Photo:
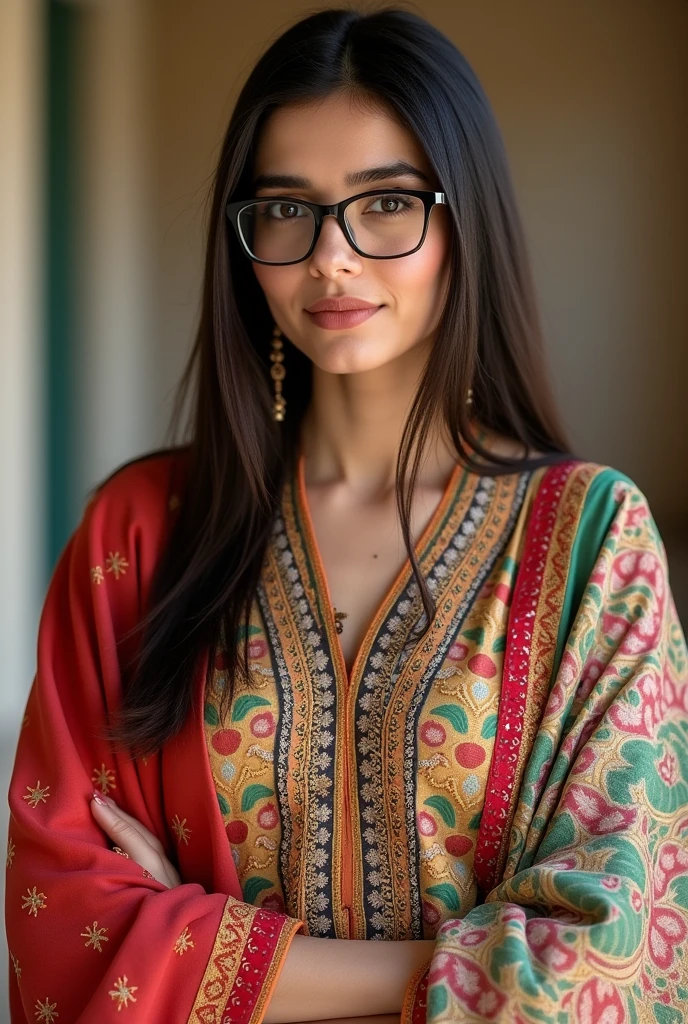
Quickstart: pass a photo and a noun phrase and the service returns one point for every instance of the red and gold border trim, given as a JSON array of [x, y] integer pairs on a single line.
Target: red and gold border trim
[[516, 693], [244, 965], [414, 1010]]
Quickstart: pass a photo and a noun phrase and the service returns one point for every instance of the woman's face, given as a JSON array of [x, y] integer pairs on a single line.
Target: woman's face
[[325, 142]]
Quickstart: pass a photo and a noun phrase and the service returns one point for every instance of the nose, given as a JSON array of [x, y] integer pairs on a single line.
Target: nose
[[332, 250]]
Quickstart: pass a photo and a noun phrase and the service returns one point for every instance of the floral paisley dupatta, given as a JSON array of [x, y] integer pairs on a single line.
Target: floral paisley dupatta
[[585, 870]]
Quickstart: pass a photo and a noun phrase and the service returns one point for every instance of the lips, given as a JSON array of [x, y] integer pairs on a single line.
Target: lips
[[342, 319], [340, 304]]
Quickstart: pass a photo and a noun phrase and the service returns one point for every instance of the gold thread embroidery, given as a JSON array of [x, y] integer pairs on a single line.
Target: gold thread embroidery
[[223, 970], [120, 851], [104, 778], [97, 575], [116, 564], [39, 794], [249, 773], [34, 901], [95, 936], [46, 1011], [11, 849], [265, 755], [184, 942], [122, 992], [255, 862], [15, 964], [180, 831]]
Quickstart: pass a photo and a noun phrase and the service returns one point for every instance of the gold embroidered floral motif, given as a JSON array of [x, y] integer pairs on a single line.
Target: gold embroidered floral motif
[[181, 832], [95, 936], [122, 992], [15, 964], [46, 1011], [97, 575], [184, 942], [11, 848], [34, 901], [116, 564], [104, 778], [120, 851], [37, 795]]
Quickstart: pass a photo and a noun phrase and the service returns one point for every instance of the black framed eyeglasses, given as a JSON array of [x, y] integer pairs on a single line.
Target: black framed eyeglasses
[[382, 224]]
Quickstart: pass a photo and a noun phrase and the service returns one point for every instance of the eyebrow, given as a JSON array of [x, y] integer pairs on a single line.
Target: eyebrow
[[398, 169]]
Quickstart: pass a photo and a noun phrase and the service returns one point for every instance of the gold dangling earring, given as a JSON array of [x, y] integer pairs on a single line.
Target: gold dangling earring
[[278, 373], [469, 400]]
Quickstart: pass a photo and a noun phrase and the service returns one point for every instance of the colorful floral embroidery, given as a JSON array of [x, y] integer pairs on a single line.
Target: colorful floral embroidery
[[279, 797], [590, 919]]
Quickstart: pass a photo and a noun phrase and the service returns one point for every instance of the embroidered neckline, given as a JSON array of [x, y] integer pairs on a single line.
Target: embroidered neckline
[[453, 487]]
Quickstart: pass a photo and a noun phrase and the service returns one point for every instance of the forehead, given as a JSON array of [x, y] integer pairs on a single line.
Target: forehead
[[322, 140]]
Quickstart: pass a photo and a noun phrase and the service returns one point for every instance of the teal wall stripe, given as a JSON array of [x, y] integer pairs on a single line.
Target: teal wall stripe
[[61, 24]]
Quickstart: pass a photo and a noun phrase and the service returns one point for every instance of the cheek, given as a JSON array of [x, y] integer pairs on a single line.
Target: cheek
[[279, 284], [420, 280]]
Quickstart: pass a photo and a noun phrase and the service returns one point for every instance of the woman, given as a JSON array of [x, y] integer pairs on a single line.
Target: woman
[[325, 696]]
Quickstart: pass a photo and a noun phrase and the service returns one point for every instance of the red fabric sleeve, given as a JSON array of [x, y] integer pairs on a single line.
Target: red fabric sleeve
[[90, 936]]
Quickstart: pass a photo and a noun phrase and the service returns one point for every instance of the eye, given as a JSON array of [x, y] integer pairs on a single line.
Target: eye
[[394, 204], [283, 211]]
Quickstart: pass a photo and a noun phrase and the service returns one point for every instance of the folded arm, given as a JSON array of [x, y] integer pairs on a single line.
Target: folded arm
[[91, 931]]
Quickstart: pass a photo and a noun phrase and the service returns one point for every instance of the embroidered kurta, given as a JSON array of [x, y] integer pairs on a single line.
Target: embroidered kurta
[[512, 783]]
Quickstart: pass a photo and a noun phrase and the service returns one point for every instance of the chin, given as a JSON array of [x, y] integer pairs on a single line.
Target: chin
[[348, 355]]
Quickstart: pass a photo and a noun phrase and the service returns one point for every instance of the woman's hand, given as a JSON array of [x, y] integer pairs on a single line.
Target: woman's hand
[[134, 839]]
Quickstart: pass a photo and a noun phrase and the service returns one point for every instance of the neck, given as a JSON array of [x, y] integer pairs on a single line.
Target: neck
[[352, 429]]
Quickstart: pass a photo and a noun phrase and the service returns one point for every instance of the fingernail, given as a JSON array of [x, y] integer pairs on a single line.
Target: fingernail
[[110, 802], [98, 799]]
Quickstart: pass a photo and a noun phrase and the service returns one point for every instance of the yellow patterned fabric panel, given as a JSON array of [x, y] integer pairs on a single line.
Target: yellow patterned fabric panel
[[241, 751], [354, 805], [455, 743]]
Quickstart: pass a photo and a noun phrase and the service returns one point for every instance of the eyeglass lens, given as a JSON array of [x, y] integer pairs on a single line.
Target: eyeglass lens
[[382, 225]]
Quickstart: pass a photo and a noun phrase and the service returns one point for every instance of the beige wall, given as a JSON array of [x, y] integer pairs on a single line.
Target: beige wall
[[591, 98], [21, 382]]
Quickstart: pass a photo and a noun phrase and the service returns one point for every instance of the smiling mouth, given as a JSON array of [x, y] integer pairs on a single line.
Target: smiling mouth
[[340, 319]]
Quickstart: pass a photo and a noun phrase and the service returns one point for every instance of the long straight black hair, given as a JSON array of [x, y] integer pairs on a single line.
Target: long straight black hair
[[489, 338]]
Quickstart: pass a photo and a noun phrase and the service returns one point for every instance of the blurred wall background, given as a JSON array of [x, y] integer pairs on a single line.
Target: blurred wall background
[[111, 115]]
